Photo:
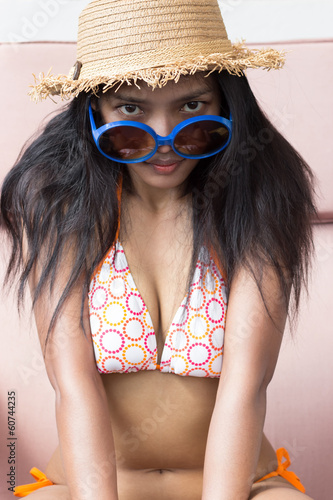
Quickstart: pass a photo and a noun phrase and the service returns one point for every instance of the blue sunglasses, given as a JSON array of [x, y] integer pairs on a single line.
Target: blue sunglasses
[[133, 142]]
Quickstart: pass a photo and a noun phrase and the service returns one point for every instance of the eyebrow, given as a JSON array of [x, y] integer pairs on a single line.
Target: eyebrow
[[195, 94], [127, 97], [123, 96]]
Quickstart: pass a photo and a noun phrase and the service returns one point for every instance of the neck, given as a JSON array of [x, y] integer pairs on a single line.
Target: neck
[[156, 200]]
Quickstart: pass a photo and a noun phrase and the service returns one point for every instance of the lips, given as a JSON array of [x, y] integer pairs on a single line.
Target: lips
[[164, 163], [164, 166]]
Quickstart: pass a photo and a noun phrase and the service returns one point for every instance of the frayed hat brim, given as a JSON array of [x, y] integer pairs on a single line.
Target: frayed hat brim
[[235, 61]]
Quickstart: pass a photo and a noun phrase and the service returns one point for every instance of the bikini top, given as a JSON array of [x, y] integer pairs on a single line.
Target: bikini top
[[122, 330]]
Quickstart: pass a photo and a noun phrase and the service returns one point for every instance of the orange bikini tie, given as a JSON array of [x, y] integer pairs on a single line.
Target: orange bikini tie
[[281, 470], [26, 489]]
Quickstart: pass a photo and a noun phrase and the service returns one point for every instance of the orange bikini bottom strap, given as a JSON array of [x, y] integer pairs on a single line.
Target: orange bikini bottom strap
[[26, 489], [283, 472]]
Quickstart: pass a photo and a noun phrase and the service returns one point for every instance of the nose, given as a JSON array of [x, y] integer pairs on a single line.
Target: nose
[[164, 149], [163, 127]]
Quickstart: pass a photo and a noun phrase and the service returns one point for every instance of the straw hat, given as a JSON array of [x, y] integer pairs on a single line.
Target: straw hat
[[151, 40]]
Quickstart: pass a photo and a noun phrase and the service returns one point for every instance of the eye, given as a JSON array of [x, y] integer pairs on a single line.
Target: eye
[[193, 106], [130, 109]]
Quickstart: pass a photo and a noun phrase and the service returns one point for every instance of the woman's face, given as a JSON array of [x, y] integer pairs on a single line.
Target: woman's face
[[162, 109]]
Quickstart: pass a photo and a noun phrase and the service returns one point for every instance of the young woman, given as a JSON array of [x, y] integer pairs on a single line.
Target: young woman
[[161, 248]]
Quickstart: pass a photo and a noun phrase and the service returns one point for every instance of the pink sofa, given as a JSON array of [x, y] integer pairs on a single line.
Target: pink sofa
[[299, 100]]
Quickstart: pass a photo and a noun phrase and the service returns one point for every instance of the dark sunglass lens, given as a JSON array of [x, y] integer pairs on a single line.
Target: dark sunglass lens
[[201, 138], [126, 143]]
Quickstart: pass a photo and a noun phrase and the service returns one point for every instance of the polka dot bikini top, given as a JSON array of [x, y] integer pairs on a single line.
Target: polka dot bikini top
[[122, 330]]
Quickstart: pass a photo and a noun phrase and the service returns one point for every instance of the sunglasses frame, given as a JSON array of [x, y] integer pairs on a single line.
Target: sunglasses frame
[[159, 140]]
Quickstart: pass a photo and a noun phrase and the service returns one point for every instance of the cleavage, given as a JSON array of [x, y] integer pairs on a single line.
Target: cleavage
[[161, 282]]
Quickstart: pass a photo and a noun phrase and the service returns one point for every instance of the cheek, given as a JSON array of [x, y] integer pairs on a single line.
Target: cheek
[[191, 165], [108, 116]]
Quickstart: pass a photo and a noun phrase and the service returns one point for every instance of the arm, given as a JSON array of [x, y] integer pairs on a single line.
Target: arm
[[252, 344], [82, 414]]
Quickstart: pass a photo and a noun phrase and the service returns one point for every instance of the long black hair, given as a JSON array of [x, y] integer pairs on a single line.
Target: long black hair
[[252, 203]]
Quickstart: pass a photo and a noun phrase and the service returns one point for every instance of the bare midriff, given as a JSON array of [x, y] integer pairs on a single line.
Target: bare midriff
[[160, 425]]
